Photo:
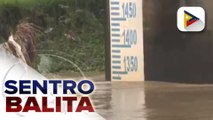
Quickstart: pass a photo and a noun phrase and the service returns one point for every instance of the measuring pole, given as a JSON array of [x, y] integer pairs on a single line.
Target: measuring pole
[[126, 40]]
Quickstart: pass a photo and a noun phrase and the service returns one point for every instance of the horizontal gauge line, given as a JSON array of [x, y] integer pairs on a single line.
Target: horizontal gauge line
[[115, 8], [115, 13], [116, 67], [115, 40], [116, 51], [115, 35], [116, 56], [115, 24], [120, 72], [114, 3], [116, 62], [121, 46], [116, 29], [118, 19], [116, 77]]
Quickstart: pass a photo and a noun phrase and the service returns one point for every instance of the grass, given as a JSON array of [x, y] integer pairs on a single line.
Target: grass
[[75, 18], [24, 3]]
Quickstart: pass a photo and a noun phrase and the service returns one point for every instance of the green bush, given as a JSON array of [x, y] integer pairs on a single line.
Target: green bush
[[73, 30]]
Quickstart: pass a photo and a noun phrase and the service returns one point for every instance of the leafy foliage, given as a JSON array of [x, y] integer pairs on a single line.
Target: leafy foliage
[[74, 31]]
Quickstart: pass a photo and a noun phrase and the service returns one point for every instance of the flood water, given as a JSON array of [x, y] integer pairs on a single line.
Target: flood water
[[153, 101]]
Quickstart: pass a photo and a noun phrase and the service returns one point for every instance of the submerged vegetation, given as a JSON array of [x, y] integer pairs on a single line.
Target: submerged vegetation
[[73, 31]]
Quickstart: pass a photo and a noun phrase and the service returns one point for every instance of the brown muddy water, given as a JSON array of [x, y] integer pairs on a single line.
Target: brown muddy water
[[153, 101]]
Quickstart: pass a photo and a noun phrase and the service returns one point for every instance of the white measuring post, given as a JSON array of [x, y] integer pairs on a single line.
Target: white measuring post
[[126, 35]]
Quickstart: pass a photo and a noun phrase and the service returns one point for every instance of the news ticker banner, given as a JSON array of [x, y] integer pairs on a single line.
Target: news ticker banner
[[126, 35], [26, 94]]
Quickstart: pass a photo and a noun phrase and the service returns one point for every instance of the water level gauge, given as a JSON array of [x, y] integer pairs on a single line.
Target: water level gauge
[[126, 35]]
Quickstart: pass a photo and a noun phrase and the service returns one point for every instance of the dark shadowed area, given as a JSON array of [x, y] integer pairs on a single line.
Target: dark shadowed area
[[171, 55]]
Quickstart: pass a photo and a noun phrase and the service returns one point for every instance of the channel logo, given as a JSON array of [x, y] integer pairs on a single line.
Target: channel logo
[[191, 19]]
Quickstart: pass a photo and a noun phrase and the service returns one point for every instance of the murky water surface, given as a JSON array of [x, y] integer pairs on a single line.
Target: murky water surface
[[153, 101]]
